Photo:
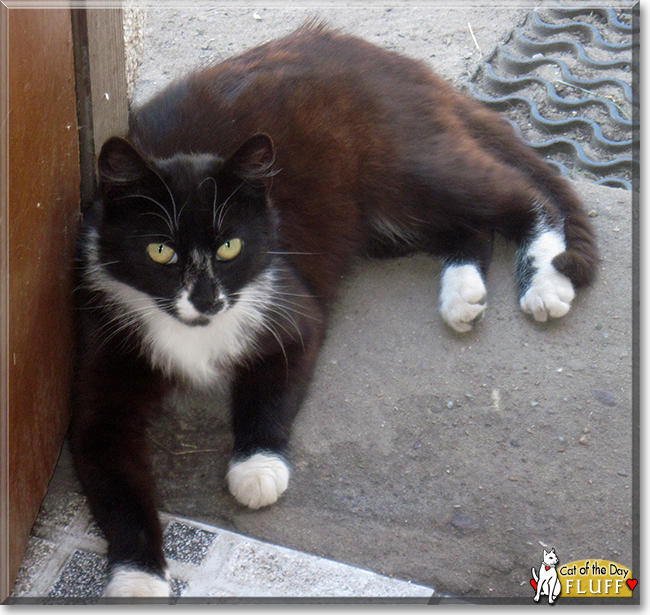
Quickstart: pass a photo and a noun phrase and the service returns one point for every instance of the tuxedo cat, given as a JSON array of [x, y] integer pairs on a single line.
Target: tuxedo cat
[[225, 221]]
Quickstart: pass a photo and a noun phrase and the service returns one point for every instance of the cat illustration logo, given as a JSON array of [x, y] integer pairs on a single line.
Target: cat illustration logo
[[547, 583]]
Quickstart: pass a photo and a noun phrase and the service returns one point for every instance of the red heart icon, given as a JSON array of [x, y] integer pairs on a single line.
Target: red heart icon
[[631, 583], [534, 584]]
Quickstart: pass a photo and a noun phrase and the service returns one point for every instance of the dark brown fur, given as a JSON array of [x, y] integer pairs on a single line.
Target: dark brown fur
[[366, 130]]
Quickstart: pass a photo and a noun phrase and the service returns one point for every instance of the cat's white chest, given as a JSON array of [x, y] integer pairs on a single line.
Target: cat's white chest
[[197, 354], [204, 354], [201, 355]]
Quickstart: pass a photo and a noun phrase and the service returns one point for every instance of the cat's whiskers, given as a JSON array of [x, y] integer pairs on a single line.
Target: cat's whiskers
[[178, 217], [96, 267], [267, 326], [122, 322], [168, 219], [284, 293], [416, 219], [90, 271], [281, 310], [284, 313], [214, 201], [222, 208], [286, 303], [132, 316], [164, 219], [156, 235], [171, 196], [287, 306]]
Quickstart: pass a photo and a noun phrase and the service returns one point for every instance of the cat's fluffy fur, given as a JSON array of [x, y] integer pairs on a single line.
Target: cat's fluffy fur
[[309, 152]]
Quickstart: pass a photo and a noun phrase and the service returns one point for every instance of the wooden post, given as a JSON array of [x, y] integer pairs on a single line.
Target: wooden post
[[100, 68], [107, 74], [39, 209], [51, 92]]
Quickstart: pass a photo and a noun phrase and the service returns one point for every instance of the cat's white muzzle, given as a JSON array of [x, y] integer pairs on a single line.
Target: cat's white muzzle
[[187, 312]]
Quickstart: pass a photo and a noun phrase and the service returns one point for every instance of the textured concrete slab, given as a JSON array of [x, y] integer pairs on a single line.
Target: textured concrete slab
[[66, 562]]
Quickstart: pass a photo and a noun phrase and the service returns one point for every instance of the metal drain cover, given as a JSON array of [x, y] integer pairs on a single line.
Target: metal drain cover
[[565, 81]]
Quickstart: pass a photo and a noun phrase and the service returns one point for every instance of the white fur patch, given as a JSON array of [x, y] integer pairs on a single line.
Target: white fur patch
[[462, 296], [185, 307], [258, 480], [133, 583], [550, 293]]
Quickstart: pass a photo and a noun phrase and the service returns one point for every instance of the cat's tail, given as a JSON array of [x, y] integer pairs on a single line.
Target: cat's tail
[[534, 574], [579, 262]]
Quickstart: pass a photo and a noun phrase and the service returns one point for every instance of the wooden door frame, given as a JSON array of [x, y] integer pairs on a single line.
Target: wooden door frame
[[6, 581], [102, 110]]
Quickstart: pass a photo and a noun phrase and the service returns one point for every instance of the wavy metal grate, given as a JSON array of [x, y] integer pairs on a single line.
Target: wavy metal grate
[[564, 80]]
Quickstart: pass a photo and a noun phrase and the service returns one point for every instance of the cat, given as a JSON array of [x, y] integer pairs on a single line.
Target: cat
[[225, 221], [548, 583]]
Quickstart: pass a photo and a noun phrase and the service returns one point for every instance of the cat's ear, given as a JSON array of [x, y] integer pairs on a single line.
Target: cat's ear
[[253, 161], [120, 165]]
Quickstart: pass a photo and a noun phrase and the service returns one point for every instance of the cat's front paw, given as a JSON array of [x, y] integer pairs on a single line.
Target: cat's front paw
[[258, 480], [462, 297], [133, 583], [549, 295]]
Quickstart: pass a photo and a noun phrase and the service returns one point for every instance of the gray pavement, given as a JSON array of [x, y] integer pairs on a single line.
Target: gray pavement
[[446, 460]]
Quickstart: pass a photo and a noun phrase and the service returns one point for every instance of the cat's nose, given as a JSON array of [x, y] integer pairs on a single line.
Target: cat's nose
[[205, 296]]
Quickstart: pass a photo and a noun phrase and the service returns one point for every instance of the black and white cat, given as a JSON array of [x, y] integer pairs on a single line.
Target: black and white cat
[[225, 221]]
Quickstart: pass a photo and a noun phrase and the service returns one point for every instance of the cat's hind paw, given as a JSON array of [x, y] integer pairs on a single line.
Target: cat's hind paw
[[462, 297], [126, 582], [258, 480], [546, 292], [549, 295]]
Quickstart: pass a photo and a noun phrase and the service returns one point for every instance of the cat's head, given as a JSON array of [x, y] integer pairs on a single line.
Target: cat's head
[[550, 558], [188, 231]]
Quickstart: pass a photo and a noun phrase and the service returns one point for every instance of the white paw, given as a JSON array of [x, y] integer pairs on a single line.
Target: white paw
[[550, 294], [132, 583], [258, 480], [462, 296]]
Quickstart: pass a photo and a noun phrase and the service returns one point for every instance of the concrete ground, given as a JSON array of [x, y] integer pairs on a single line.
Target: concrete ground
[[447, 460], [442, 459]]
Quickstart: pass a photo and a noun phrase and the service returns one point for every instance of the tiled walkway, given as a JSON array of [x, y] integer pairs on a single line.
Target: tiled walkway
[[65, 561]]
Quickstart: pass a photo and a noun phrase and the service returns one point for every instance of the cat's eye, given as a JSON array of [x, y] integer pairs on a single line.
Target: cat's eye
[[230, 249], [162, 254]]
